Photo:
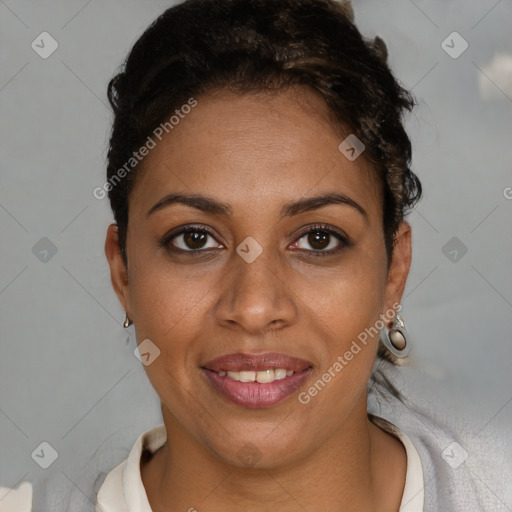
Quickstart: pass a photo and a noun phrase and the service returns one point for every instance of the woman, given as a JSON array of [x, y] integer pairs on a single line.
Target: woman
[[259, 176], [259, 236]]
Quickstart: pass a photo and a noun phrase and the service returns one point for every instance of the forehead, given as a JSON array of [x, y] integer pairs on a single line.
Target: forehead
[[256, 149]]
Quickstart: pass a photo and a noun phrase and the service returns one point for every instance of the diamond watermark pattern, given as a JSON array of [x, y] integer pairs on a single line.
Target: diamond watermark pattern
[[44, 45], [249, 249], [351, 147], [454, 249], [249, 455], [454, 45], [146, 352], [45, 455], [454, 455], [44, 250]]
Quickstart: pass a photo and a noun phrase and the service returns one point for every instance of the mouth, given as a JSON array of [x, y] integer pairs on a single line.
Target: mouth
[[256, 380]]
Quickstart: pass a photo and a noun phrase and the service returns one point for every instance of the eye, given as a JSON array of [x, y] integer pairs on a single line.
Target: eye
[[191, 239], [321, 240]]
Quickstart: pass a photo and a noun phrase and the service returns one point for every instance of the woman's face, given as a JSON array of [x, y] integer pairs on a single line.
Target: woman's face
[[248, 281]]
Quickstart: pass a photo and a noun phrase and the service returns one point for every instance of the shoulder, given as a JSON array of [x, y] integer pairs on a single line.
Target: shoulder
[[52, 492], [74, 489], [464, 467], [49, 493], [123, 485]]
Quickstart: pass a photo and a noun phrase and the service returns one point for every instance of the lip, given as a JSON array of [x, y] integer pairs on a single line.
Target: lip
[[254, 395], [253, 362]]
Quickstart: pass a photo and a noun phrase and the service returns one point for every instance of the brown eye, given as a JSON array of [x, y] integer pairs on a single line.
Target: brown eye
[[318, 239], [191, 239], [321, 241], [195, 239]]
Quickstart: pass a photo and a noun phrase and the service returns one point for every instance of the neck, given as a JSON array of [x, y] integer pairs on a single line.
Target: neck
[[360, 467]]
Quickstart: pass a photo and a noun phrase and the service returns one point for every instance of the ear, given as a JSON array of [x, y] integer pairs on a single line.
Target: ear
[[118, 271], [399, 267]]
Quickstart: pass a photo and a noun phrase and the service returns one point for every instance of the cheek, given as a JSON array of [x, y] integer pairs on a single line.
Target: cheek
[[347, 299], [169, 310], [346, 307], [164, 296]]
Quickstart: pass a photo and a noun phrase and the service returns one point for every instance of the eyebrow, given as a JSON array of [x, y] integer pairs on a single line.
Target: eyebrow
[[209, 205]]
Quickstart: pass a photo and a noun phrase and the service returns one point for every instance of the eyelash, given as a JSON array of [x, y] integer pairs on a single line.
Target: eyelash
[[200, 228]]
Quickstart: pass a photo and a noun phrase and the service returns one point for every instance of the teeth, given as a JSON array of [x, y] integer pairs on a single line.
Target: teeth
[[262, 376], [247, 376], [265, 376], [279, 374]]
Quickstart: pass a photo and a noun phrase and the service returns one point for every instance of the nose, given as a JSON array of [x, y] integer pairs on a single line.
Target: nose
[[255, 297]]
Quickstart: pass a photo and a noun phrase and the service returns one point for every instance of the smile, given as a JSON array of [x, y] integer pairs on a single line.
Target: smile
[[256, 380], [261, 376]]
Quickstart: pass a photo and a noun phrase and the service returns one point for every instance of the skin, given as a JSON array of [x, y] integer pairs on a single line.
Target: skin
[[256, 153]]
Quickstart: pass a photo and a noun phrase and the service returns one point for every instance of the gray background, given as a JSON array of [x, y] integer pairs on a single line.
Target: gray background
[[67, 369]]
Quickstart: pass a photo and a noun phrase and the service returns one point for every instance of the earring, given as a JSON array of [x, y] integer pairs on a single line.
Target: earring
[[127, 322], [395, 339]]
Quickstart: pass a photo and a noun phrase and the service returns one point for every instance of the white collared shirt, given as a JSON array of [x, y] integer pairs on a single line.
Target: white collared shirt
[[123, 490]]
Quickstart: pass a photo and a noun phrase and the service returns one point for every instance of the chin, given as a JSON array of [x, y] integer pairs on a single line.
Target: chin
[[259, 447]]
